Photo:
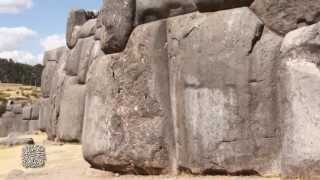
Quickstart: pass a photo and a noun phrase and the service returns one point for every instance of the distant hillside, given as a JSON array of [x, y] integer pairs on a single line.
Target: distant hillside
[[11, 72]]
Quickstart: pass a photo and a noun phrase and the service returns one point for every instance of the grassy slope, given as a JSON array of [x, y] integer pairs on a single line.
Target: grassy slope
[[19, 92]]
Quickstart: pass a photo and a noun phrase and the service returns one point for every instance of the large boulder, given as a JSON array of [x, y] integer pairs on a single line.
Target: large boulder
[[76, 19], [283, 16], [117, 23], [72, 63], [81, 57], [300, 78], [44, 114], [88, 29], [69, 128], [150, 10], [17, 108], [301, 36], [51, 59], [35, 111], [299, 93], [12, 123], [223, 94], [27, 112], [34, 125], [127, 124], [84, 58], [55, 97]]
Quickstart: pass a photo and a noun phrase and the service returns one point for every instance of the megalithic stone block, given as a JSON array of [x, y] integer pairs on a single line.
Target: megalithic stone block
[[70, 121], [149, 10], [127, 124], [300, 78], [294, 13], [219, 65], [44, 114], [117, 24], [76, 19], [27, 111]]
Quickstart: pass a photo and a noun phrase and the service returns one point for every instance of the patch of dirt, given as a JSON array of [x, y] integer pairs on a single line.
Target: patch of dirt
[[66, 162]]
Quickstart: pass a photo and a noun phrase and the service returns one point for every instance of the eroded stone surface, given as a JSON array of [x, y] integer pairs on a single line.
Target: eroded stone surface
[[69, 127], [201, 93], [117, 24], [76, 19], [286, 15], [149, 10], [54, 100], [219, 64], [127, 126], [12, 123], [300, 103], [44, 113]]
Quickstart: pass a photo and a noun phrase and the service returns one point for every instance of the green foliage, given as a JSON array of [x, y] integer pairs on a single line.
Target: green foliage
[[11, 72]]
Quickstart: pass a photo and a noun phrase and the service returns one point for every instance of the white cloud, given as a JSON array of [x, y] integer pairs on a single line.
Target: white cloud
[[22, 57], [53, 41], [14, 6], [11, 38], [10, 41]]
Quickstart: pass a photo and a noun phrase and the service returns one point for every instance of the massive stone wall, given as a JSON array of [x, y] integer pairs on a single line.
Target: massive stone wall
[[20, 118], [205, 92]]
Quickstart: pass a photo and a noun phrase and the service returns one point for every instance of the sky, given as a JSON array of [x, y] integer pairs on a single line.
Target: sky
[[28, 28]]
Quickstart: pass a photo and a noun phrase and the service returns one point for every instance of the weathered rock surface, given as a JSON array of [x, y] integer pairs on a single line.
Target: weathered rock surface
[[17, 109], [117, 19], [216, 82], [34, 125], [149, 10], [205, 93], [69, 127], [35, 111], [127, 126], [27, 112], [300, 110], [301, 36], [51, 59], [54, 101], [85, 58], [286, 15], [44, 113], [300, 78], [76, 19], [13, 107], [12, 123], [88, 29], [81, 57], [72, 62]]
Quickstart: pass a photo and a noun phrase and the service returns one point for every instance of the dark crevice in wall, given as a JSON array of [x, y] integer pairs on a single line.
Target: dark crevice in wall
[[256, 38]]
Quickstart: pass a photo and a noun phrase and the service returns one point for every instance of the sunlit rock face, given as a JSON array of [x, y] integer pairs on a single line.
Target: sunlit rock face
[[128, 107], [219, 65], [300, 76], [286, 15], [214, 93]]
